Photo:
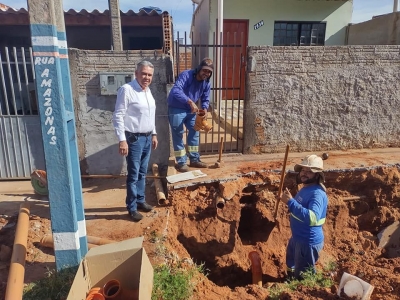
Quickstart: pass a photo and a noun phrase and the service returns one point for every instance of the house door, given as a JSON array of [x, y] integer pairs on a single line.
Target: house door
[[235, 40]]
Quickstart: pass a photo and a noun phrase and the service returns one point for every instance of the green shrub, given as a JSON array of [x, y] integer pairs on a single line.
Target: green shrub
[[175, 282]]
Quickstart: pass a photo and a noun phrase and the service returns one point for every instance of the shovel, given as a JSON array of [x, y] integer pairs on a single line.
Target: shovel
[[281, 182]]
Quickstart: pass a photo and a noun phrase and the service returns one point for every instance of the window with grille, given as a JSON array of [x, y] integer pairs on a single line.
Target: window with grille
[[299, 33]]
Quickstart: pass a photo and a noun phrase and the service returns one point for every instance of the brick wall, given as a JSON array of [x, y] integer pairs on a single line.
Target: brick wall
[[98, 145], [185, 61], [322, 98]]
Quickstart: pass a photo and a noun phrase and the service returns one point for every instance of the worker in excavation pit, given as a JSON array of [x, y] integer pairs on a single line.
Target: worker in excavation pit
[[307, 216]]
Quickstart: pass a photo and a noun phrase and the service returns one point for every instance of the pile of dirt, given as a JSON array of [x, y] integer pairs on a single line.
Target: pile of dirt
[[362, 203]]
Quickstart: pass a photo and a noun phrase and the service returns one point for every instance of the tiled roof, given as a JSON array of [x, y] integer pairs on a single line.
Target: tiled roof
[[4, 9], [3, 6]]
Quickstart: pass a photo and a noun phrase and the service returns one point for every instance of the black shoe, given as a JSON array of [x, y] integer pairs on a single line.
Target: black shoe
[[135, 216], [198, 164], [144, 207], [182, 168]]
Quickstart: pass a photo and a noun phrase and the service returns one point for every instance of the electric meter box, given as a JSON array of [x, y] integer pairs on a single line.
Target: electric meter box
[[110, 82]]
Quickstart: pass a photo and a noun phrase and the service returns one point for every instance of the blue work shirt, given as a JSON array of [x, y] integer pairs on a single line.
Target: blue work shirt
[[188, 87], [307, 214]]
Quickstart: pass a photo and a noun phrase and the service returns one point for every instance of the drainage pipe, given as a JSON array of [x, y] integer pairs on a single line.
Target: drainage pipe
[[158, 185], [112, 290], [47, 241], [353, 198], [220, 202], [15, 282], [256, 267], [99, 241], [105, 176]]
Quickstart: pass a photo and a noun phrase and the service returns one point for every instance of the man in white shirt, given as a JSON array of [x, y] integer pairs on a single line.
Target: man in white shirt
[[134, 124]]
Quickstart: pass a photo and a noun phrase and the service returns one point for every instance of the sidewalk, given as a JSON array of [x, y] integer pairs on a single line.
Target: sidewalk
[[236, 165]]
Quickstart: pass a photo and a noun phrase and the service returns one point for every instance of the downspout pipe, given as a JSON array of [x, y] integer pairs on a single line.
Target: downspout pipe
[[395, 5], [220, 18], [218, 61], [15, 282]]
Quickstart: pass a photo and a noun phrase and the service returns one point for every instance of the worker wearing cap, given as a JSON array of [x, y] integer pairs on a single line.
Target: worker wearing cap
[[190, 91], [307, 216]]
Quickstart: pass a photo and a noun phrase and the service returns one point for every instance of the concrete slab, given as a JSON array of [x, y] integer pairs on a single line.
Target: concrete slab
[[389, 238]]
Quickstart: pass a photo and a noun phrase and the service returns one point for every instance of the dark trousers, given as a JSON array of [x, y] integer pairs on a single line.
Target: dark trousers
[[302, 256]]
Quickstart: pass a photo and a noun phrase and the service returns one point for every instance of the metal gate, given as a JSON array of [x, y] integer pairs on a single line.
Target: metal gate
[[21, 148], [227, 99]]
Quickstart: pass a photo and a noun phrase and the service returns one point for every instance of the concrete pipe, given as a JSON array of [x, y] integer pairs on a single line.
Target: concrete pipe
[[158, 185], [220, 202], [15, 283], [256, 267]]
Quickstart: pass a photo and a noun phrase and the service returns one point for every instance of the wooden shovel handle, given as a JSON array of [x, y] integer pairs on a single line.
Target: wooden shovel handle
[[281, 182], [221, 147]]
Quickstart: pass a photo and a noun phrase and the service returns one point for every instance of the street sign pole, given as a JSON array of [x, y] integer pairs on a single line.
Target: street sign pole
[[54, 118], [69, 107]]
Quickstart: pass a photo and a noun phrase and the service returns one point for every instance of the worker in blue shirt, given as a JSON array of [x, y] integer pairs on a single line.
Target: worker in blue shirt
[[190, 91], [307, 215]]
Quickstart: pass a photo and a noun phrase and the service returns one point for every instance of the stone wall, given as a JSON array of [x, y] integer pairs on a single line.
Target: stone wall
[[98, 144], [322, 98]]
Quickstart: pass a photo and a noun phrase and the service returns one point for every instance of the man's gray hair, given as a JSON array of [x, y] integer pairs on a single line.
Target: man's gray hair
[[144, 63]]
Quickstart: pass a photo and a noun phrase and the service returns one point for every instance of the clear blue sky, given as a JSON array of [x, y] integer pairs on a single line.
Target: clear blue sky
[[181, 10]]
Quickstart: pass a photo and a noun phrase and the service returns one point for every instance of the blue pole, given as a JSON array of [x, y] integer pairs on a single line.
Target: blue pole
[[69, 106], [54, 120]]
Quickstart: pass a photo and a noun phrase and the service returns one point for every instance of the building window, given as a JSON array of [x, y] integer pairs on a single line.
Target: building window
[[299, 34]]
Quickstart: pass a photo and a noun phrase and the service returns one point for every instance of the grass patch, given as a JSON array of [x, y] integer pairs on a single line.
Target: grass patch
[[177, 281], [55, 286], [175, 278], [321, 279]]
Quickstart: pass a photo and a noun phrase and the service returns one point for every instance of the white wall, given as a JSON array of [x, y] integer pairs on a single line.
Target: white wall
[[337, 14], [201, 30]]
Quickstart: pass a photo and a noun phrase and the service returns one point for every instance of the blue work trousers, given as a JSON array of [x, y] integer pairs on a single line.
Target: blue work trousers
[[137, 160], [177, 118], [300, 257]]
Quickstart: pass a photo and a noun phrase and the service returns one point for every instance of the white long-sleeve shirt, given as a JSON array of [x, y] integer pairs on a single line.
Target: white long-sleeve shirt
[[135, 110]]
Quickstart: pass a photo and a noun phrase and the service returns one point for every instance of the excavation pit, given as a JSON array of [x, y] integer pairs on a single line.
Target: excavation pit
[[362, 202], [361, 231], [253, 225]]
